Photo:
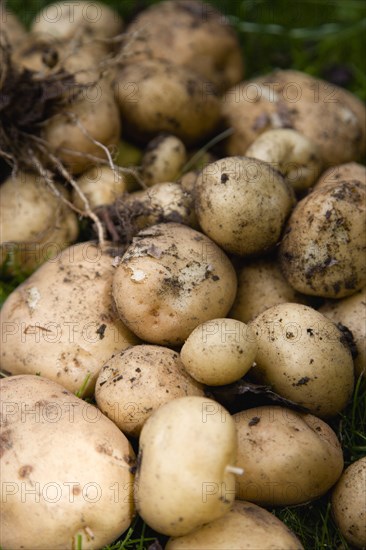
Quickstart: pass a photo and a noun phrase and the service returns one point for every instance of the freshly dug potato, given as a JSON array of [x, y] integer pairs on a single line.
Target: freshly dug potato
[[191, 34], [61, 323], [157, 96], [93, 20], [219, 351], [65, 470], [261, 285], [101, 185], [288, 457], [34, 223], [245, 527], [163, 159], [11, 27], [242, 204], [135, 383], [304, 357], [349, 503], [171, 279], [290, 152], [351, 171], [351, 312], [331, 117], [186, 457], [323, 250]]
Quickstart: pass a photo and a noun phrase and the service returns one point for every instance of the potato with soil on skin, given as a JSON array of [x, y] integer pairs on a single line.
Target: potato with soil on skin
[[349, 503], [245, 527], [351, 312], [351, 171], [163, 159], [333, 118], [63, 463], [288, 457], [242, 204], [135, 383], [219, 351], [304, 357], [101, 185], [157, 96], [171, 279], [61, 321], [34, 223], [323, 249], [190, 34], [186, 460]]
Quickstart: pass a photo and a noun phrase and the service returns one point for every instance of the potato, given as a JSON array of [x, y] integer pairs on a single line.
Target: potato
[[135, 383], [304, 357], [351, 171], [163, 159], [35, 224], [331, 117], [288, 457], [351, 312], [219, 351], [349, 503], [65, 469], [157, 96], [171, 279], [322, 252], [101, 185], [245, 527], [242, 204], [60, 322], [190, 34], [261, 285], [12, 28], [186, 457]]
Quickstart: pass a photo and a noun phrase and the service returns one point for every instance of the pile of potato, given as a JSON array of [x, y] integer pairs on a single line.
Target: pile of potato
[[250, 264]]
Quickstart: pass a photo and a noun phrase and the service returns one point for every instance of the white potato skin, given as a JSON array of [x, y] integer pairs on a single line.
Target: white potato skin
[[101, 185], [163, 160], [351, 171], [245, 527], [182, 481], [288, 457], [349, 503], [50, 322], [65, 470], [304, 357]]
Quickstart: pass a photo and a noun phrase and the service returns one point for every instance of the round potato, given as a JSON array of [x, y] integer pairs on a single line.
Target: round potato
[[61, 323], [219, 351], [323, 249], [304, 357], [65, 469], [288, 457], [101, 185], [171, 279], [349, 503], [135, 383], [351, 171], [163, 159], [246, 527], [242, 204]]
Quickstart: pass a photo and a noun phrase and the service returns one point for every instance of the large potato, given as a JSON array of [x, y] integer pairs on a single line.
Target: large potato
[[288, 457], [186, 456], [245, 527], [60, 322], [331, 117], [65, 470], [242, 204], [171, 279], [323, 250], [304, 357]]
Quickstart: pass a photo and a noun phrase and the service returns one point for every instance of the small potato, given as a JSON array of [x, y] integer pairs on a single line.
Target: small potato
[[135, 383], [245, 527], [261, 285], [242, 204], [65, 470], [163, 159], [304, 357], [323, 250], [351, 171], [219, 351], [171, 279], [288, 457], [349, 503], [101, 185], [186, 460]]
